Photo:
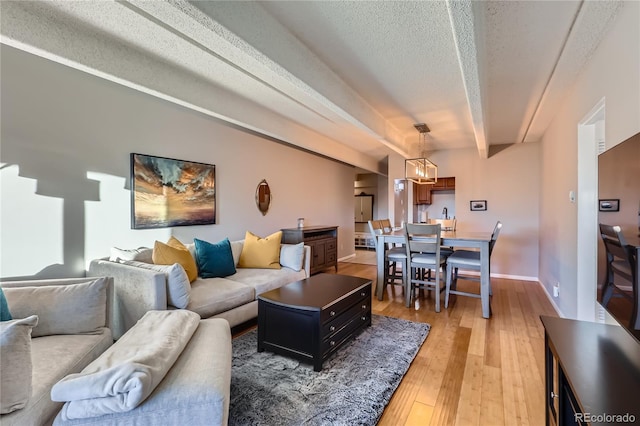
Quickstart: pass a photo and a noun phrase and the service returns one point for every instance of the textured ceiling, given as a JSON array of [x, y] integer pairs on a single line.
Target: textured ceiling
[[345, 79]]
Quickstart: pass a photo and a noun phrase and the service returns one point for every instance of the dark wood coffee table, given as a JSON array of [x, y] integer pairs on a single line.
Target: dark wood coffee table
[[310, 319]]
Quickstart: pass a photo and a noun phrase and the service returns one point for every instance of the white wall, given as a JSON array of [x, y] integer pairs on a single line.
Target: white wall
[[508, 180], [613, 74], [66, 140]]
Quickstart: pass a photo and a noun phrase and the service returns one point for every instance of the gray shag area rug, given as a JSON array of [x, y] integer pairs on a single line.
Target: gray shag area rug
[[354, 386]]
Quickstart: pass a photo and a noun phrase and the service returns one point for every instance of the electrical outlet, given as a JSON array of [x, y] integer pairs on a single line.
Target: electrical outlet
[[556, 290]]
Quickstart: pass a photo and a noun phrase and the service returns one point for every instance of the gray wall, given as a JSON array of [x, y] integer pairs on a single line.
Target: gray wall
[[509, 181], [66, 140], [610, 76]]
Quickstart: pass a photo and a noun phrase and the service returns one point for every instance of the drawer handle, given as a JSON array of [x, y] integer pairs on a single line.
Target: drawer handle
[[332, 343], [363, 318], [332, 313], [332, 328], [363, 294], [364, 306]]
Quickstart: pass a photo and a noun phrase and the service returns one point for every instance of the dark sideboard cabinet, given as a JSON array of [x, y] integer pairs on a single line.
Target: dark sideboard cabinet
[[323, 241], [592, 373]]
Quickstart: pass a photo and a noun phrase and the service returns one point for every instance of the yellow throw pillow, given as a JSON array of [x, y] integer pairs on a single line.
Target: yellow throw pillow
[[175, 252], [261, 252]]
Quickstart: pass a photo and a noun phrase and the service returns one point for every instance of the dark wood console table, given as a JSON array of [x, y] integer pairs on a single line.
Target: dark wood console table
[[323, 241], [592, 373]]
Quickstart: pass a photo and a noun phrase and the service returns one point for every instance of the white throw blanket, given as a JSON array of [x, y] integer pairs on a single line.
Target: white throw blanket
[[128, 372]]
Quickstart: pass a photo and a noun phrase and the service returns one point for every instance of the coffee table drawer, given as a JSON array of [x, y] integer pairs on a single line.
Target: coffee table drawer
[[362, 306], [342, 305], [360, 320]]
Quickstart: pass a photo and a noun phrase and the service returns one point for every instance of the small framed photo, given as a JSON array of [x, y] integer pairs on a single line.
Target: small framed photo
[[478, 205], [609, 205]]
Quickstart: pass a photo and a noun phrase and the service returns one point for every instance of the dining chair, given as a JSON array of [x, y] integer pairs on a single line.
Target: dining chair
[[621, 262], [392, 256], [422, 242], [386, 225], [467, 260], [447, 225]]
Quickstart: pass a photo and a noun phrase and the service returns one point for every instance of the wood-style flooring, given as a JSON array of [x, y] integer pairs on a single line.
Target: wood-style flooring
[[470, 370]]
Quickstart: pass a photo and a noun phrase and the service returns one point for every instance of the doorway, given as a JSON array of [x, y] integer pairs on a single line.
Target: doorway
[[591, 141]]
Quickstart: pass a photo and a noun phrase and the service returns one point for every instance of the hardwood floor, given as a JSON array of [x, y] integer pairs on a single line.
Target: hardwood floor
[[470, 371]]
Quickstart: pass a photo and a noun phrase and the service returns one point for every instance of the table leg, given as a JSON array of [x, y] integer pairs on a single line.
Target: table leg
[[380, 264], [485, 282]]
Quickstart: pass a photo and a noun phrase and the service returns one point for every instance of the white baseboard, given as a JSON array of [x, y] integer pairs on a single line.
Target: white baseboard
[[505, 276], [342, 259], [553, 303]]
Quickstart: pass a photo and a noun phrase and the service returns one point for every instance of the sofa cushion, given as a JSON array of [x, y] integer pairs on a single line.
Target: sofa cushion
[[267, 279], [292, 256], [175, 252], [178, 286], [236, 250], [214, 260], [5, 314], [15, 363], [210, 296], [53, 358], [259, 252], [62, 309], [141, 254], [194, 392]]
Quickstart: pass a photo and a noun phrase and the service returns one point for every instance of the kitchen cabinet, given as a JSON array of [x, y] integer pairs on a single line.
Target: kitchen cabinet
[[444, 184], [363, 208], [423, 194]]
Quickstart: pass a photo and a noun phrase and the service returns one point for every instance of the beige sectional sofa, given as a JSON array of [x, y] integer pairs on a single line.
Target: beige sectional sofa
[[65, 340], [72, 334], [234, 298]]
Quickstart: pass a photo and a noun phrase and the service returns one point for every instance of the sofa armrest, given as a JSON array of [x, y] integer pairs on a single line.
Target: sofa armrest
[[135, 291], [307, 260]]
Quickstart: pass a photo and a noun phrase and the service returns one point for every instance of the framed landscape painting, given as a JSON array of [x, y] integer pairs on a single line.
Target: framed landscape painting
[[167, 192]]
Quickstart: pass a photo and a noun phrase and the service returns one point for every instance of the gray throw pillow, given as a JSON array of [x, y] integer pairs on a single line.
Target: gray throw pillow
[[141, 254], [292, 256], [15, 363], [62, 309], [178, 285]]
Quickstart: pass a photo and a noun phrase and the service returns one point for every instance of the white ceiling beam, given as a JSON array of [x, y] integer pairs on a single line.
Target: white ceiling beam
[[464, 29], [592, 21], [113, 41]]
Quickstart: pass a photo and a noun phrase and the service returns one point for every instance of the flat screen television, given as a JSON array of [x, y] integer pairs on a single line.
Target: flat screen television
[[619, 204]]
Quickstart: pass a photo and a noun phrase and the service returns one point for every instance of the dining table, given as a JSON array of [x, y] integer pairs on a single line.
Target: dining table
[[466, 239]]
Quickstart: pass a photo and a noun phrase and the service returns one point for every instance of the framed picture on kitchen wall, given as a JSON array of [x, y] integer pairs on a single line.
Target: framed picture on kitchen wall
[[478, 205], [609, 205], [166, 192]]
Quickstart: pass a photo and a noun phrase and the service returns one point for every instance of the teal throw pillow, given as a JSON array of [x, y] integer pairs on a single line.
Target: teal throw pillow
[[5, 315], [214, 260]]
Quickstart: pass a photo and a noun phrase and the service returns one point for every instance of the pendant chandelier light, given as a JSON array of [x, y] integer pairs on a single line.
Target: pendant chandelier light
[[421, 170]]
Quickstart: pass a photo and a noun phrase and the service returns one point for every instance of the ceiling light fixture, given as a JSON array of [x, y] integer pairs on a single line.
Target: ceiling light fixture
[[421, 170]]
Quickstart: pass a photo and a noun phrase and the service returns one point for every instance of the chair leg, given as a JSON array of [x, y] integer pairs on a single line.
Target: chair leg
[[607, 290], [447, 287], [437, 287], [409, 293], [406, 284]]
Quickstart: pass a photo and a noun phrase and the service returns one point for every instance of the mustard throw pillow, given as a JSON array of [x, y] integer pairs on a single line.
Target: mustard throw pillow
[[175, 252], [261, 252]]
